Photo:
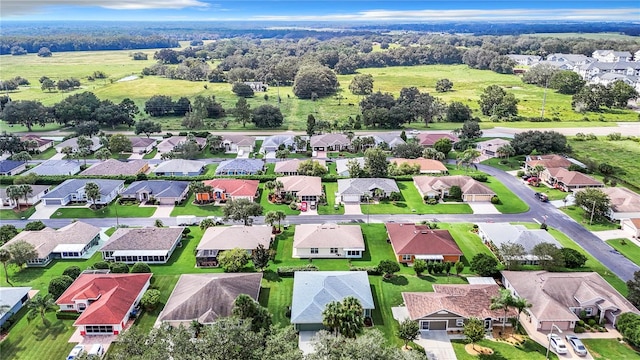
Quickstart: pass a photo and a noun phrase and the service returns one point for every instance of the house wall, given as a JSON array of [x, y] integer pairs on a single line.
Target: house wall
[[447, 258], [322, 253], [14, 309], [624, 215], [628, 226]]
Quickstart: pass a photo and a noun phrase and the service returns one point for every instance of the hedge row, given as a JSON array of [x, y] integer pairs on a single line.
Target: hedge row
[[371, 270], [67, 315], [288, 271]]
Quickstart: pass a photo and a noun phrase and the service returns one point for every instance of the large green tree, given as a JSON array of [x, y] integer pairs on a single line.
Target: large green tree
[[315, 80], [503, 301], [59, 284], [21, 252], [119, 143], [26, 112], [39, 305], [595, 203], [242, 210], [147, 127], [495, 101], [5, 257], [362, 84], [566, 82], [242, 111], [267, 116], [375, 163], [345, 318], [484, 264], [233, 260], [634, 289], [92, 190], [244, 307]]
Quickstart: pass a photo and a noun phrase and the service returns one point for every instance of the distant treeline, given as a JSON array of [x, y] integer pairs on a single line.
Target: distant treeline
[[78, 42]]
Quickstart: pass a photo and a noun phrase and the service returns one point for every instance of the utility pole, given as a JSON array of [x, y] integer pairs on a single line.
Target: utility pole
[[593, 210]]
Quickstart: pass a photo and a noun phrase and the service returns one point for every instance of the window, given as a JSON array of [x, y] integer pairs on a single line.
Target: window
[[588, 311], [333, 250], [406, 257], [99, 329], [314, 250], [459, 322], [353, 253]]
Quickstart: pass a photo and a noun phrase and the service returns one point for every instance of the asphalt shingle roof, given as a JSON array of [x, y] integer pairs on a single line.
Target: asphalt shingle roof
[[56, 167], [179, 166], [72, 185], [8, 165], [157, 188], [240, 165], [116, 167], [150, 238]]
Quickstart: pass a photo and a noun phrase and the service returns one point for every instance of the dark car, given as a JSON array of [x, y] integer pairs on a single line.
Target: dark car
[[542, 197]]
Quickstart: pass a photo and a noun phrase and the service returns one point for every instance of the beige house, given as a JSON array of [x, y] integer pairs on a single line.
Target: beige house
[[632, 226], [304, 188], [558, 298], [170, 143], [565, 180], [624, 203], [546, 161], [117, 167], [221, 238], [290, 167], [438, 187], [490, 147], [328, 241]]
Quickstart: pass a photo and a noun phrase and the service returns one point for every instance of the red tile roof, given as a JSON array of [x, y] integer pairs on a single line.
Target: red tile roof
[[115, 294], [235, 187], [427, 139], [412, 239]]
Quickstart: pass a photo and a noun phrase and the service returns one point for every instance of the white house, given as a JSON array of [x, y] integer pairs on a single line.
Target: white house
[[328, 241], [150, 245]]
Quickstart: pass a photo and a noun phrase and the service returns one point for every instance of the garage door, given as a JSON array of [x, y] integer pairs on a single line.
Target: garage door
[[351, 198], [433, 325], [53, 202], [628, 227]]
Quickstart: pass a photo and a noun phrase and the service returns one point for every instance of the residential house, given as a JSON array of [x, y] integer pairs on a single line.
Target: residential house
[[240, 167], [37, 191], [274, 142], [526, 60], [448, 307], [565, 180], [12, 299], [56, 167], [313, 290], [489, 148], [73, 144], [437, 187], [357, 190], [636, 56], [36, 144], [624, 203], [589, 71], [290, 167], [607, 79], [330, 142], [410, 242], [428, 139], [117, 167], [11, 167], [573, 59], [72, 190], [341, 165], [206, 297], [180, 167], [105, 301], [560, 65], [495, 235], [632, 226], [165, 192], [558, 298], [427, 166], [392, 140], [328, 241], [168, 144], [142, 145], [257, 86], [304, 188], [229, 189], [546, 161], [70, 242], [240, 144], [611, 56], [150, 245], [220, 238]]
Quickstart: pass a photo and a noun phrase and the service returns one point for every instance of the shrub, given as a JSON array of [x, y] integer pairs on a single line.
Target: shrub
[[543, 226], [480, 177], [119, 268], [592, 322], [58, 285], [150, 299], [432, 201], [287, 271], [72, 271], [371, 270], [140, 267], [100, 265], [520, 173], [495, 200], [67, 315], [34, 226], [578, 329]]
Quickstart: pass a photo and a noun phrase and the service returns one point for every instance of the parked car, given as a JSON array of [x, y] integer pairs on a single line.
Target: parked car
[[96, 350], [557, 344], [414, 132], [542, 197], [577, 345], [75, 352], [216, 220]]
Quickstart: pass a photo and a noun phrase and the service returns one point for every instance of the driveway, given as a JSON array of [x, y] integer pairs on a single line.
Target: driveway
[[162, 211], [304, 341], [611, 234], [483, 208], [437, 345], [57, 156], [136, 156], [43, 212], [352, 209]]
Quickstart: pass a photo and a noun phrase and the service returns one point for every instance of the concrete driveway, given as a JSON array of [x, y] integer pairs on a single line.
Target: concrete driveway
[[43, 212], [483, 208], [305, 342], [352, 209], [611, 234], [437, 345]]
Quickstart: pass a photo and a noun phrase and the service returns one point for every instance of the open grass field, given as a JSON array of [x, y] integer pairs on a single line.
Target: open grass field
[[468, 84], [622, 155], [630, 250], [124, 211], [501, 350], [610, 349], [592, 263]]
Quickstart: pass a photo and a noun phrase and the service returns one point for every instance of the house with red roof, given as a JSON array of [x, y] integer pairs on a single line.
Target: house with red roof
[[428, 139], [105, 301], [229, 189], [411, 242]]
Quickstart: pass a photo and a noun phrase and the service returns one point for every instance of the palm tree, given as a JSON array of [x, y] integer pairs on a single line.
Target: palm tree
[[431, 153], [331, 316], [278, 185], [103, 154], [506, 150], [270, 185], [207, 223], [92, 190], [378, 193], [503, 301], [270, 218], [26, 190], [520, 304], [67, 150], [14, 193], [5, 257], [158, 223], [280, 216], [40, 305], [353, 317]]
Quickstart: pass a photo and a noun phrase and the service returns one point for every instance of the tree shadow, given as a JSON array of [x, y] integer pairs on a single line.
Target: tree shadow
[[271, 276], [376, 314], [427, 277], [49, 329], [9, 347], [398, 280]]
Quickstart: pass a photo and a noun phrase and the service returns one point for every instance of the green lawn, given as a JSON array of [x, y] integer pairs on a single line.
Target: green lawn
[[45, 155], [344, 154], [151, 155], [330, 189], [509, 202], [578, 214], [412, 203], [629, 249], [622, 155], [592, 263], [610, 349], [552, 194], [124, 211], [268, 206], [469, 242], [189, 208], [11, 214], [530, 350], [512, 163], [332, 168]]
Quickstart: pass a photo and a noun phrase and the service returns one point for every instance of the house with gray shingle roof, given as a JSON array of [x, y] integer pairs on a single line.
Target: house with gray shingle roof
[[37, 191], [330, 142], [180, 167], [272, 143], [497, 234], [12, 167], [240, 167], [170, 143], [221, 238], [166, 192], [437, 187], [341, 165], [611, 55], [72, 190], [353, 190], [117, 167], [56, 167], [240, 144], [73, 144], [142, 145], [11, 301], [391, 139], [313, 290], [207, 297], [150, 245]]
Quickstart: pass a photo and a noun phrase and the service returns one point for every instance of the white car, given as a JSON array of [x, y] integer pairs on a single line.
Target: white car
[[75, 352], [414, 132], [557, 344], [577, 345]]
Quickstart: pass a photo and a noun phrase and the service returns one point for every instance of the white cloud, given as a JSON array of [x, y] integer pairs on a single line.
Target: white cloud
[[467, 14], [26, 7]]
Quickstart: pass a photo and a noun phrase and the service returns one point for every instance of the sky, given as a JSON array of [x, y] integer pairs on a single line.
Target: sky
[[330, 10]]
